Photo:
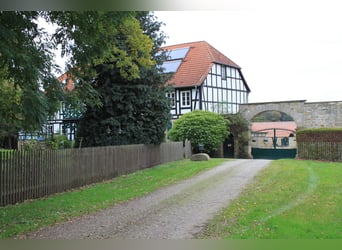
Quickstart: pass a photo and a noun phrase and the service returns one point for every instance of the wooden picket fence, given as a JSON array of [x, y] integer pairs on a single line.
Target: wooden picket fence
[[34, 174], [327, 151]]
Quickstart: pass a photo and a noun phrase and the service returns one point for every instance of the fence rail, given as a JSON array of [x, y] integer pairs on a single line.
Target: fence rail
[[329, 151], [33, 174]]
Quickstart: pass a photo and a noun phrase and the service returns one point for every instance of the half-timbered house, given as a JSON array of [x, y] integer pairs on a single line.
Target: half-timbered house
[[64, 121], [203, 78]]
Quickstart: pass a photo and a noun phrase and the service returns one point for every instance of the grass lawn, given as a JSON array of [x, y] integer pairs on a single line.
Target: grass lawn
[[291, 199], [31, 215]]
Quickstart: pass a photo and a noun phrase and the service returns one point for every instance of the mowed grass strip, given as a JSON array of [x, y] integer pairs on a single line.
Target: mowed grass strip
[[291, 199], [31, 215]]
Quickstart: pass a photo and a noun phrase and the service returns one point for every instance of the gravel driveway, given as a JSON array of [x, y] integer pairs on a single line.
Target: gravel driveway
[[176, 212]]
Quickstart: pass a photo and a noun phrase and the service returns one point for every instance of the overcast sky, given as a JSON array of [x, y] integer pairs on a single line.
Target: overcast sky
[[288, 51]]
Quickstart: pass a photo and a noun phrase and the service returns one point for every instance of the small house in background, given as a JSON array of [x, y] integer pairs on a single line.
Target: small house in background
[[63, 122], [203, 79], [273, 134], [66, 79]]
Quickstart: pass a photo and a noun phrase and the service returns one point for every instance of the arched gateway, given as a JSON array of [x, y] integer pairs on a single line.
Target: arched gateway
[[295, 109], [305, 115]]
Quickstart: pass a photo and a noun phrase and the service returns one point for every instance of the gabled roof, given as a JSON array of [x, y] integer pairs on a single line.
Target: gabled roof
[[197, 63]]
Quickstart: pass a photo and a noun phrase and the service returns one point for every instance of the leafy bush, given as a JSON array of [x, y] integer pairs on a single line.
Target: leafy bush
[[30, 145], [200, 127], [59, 142]]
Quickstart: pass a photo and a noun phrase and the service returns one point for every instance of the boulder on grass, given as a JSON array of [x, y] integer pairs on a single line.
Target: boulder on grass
[[200, 157]]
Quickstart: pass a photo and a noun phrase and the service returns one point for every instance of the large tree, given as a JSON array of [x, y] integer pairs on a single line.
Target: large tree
[[11, 114], [92, 38], [26, 61], [133, 109], [87, 39]]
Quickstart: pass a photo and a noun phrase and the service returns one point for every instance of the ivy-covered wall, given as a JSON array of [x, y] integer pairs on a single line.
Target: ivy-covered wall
[[320, 144]]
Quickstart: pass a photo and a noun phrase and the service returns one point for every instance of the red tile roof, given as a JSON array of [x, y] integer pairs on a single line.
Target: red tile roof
[[193, 70], [257, 126], [69, 84], [197, 63]]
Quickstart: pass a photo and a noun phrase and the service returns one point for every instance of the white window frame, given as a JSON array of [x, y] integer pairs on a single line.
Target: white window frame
[[186, 98], [172, 98]]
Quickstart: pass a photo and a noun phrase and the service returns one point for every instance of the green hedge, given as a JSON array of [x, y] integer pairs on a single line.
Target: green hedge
[[320, 144], [320, 135]]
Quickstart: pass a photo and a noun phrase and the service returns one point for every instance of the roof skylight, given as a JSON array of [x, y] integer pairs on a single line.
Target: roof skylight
[[171, 66], [174, 59], [177, 53]]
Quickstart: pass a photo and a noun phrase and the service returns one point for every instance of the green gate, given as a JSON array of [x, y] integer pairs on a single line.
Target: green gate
[[275, 151], [273, 154]]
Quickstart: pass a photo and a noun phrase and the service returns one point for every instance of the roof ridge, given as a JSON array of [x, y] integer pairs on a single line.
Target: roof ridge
[[209, 51], [181, 44]]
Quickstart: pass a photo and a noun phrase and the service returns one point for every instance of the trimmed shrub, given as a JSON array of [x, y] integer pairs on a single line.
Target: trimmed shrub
[[320, 135], [200, 127], [320, 144]]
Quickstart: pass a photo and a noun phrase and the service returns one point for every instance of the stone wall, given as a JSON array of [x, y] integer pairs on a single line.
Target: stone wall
[[305, 114], [323, 115], [293, 108]]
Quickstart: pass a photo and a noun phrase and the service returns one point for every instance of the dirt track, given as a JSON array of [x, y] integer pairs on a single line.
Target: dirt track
[[175, 212]]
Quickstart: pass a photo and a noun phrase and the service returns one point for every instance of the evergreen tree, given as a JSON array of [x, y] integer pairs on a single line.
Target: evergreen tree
[[133, 110]]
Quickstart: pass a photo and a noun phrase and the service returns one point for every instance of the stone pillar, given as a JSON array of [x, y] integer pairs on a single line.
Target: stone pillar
[[249, 147]]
